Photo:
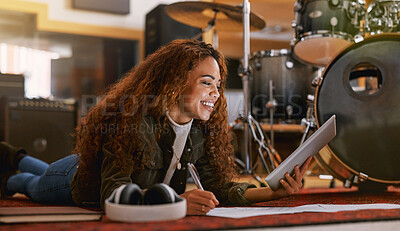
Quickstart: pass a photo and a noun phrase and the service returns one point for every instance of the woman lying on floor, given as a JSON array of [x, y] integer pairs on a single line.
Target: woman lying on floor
[[168, 111]]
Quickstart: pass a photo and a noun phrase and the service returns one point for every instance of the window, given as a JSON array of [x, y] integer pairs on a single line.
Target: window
[[34, 64]]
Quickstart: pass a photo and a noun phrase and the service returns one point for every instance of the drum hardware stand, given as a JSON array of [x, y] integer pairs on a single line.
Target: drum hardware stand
[[257, 134], [261, 145], [257, 178], [248, 120], [355, 179], [289, 112], [271, 105], [297, 8], [309, 121], [210, 25]]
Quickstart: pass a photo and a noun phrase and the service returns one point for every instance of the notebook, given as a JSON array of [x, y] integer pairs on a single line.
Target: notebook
[[47, 214]]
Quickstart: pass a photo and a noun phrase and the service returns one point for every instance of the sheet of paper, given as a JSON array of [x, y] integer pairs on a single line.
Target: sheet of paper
[[241, 212]]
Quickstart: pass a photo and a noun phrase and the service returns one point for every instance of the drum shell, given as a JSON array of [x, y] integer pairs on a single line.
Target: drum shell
[[323, 28], [316, 15], [291, 81], [368, 126], [385, 12]]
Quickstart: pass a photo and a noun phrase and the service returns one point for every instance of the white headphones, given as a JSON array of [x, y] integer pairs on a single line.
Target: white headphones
[[160, 202]]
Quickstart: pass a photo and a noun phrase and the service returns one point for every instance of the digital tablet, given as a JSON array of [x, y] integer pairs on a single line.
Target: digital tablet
[[310, 147]]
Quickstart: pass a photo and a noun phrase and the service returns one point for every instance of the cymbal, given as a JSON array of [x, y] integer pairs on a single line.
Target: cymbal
[[199, 14]]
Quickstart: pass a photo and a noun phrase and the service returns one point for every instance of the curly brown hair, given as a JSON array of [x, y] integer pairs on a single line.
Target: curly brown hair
[[163, 76]]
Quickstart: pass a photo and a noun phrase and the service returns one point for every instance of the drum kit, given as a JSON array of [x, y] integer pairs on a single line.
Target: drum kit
[[344, 60]]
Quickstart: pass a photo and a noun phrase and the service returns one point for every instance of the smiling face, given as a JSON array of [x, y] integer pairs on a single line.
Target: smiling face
[[201, 93]]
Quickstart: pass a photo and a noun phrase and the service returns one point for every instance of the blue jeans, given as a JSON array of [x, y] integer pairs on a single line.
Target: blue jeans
[[45, 183]]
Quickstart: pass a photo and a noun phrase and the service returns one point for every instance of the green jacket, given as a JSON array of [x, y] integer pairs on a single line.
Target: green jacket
[[156, 158]]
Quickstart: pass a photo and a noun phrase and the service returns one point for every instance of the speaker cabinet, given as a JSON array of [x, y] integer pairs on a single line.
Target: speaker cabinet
[[119, 57], [162, 29], [42, 127], [12, 85]]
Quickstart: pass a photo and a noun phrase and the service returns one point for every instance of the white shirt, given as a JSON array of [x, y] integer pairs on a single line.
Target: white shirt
[[182, 132]]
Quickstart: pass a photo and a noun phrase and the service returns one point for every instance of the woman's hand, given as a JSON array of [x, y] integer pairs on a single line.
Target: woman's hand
[[292, 184], [199, 202]]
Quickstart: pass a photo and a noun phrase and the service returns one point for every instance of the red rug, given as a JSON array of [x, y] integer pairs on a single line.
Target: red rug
[[306, 196]]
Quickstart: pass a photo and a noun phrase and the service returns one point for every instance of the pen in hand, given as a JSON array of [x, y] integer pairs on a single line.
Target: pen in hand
[[193, 172], [204, 196]]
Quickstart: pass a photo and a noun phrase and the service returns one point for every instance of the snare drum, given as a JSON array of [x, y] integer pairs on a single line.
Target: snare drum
[[325, 27], [383, 16], [361, 86], [291, 82]]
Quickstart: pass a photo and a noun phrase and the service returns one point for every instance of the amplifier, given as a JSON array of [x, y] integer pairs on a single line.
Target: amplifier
[[12, 85], [42, 127]]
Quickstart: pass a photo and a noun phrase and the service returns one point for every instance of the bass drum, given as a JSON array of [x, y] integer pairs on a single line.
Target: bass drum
[[361, 86]]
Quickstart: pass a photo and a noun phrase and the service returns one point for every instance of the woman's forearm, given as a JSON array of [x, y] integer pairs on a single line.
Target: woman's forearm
[[259, 194]]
